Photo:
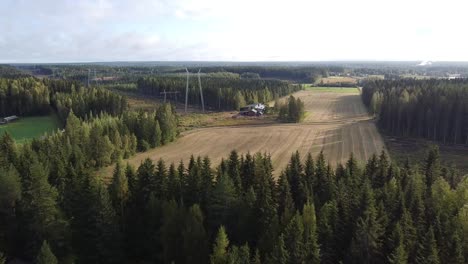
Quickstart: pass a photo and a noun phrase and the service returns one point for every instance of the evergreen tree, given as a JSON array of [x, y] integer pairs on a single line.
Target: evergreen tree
[[221, 201], [367, 241], [119, 191], [286, 207], [398, 253], [427, 251], [280, 254], [45, 255], [256, 259], [220, 248], [310, 234], [432, 166], [294, 239], [40, 214], [195, 239]]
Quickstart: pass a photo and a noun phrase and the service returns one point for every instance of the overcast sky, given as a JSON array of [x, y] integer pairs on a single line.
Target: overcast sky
[[232, 30]]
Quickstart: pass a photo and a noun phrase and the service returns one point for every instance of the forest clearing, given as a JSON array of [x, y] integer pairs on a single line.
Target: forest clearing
[[337, 123], [31, 127]]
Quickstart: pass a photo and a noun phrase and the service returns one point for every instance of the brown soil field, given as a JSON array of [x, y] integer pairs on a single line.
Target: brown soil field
[[337, 123]]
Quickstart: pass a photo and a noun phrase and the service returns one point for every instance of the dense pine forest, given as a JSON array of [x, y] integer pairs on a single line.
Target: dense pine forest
[[238, 213], [218, 93], [431, 109]]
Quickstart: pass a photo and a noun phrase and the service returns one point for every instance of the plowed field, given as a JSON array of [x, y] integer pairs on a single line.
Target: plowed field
[[336, 123]]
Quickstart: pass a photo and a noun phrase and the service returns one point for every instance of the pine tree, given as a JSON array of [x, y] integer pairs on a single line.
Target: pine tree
[[220, 248], [45, 255]]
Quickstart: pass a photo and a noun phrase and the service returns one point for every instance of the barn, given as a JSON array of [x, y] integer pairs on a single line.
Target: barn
[[8, 119]]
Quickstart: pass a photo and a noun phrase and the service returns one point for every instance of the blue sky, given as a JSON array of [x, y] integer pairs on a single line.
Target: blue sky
[[239, 30]]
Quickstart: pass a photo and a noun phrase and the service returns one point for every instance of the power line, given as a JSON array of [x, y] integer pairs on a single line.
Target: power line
[[201, 91], [186, 90]]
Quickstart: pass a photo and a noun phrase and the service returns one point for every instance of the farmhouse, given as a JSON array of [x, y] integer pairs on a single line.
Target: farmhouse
[[252, 109], [8, 119]]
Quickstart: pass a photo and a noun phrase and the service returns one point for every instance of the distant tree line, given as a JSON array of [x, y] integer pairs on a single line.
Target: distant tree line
[[432, 109], [7, 71], [218, 93], [54, 208], [307, 74]]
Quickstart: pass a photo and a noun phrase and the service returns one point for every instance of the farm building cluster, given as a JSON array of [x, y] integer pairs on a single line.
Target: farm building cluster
[[252, 110], [8, 119]]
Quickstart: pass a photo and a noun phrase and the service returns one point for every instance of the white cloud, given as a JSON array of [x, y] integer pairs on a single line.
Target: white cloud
[[232, 30]]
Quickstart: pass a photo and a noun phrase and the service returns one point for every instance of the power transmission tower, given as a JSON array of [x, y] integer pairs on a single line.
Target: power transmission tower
[[174, 93], [186, 90], [89, 73], [201, 91], [95, 77]]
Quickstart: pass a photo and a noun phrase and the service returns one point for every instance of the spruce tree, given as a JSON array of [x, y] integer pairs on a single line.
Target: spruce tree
[[195, 247], [286, 207], [40, 213], [432, 166], [119, 191], [45, 255], [221, 201], [294, 239], [428, 252], [311, 245], [280, 254], [398, 253], [220, 248]]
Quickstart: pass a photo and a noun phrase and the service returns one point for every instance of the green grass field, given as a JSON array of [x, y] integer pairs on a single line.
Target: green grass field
[[333, 89], [30, 127]]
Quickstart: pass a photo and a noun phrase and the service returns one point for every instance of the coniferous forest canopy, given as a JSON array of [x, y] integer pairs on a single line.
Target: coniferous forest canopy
[[55, 207], [164, 213], [432, 109], [219, 93]]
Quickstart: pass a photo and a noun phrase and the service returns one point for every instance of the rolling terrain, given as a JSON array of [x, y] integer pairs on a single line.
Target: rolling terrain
[[336, 122]]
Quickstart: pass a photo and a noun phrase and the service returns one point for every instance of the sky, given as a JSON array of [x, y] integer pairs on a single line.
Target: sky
[[232, 30]]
